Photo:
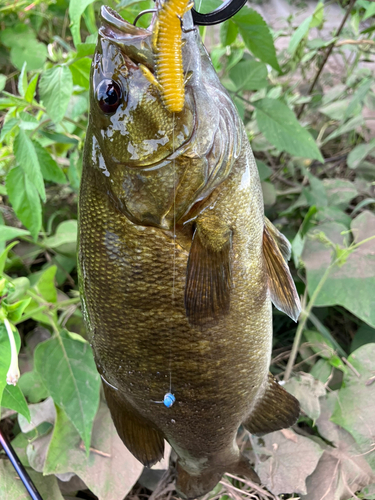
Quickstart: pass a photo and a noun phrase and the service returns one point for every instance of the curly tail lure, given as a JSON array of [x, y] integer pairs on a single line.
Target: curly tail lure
[[167, 46]]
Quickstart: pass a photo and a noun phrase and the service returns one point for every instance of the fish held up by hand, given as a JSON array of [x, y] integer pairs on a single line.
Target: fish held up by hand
[[178, 264]]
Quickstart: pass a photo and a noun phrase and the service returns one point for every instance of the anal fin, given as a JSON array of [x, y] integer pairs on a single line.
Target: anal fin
[[208, 276], [276, 410], [280, 282], [143, 440]]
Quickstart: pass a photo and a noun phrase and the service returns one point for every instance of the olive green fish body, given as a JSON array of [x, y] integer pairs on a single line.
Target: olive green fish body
[[176, 283]]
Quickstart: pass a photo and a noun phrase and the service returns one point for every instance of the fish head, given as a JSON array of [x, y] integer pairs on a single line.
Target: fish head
[[157, 164], [128, 118]]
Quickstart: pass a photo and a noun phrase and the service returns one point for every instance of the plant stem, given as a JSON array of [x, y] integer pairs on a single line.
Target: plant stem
[[327, 54], [304, 316]]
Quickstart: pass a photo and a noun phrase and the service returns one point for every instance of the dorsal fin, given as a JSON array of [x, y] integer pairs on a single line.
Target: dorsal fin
[[275, 410], [276, 250]]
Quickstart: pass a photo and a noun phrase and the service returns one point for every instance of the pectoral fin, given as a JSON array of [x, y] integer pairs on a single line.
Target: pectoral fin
[[276, 410], [208, 278], [144, 441], [276, 250]]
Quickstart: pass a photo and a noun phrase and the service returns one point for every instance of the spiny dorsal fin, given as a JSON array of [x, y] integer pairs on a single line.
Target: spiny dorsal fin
[[208, 277], [280, 283], [276, 410]]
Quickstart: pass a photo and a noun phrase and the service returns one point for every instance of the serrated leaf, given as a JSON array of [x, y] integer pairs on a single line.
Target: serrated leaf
[[81, 72], [49, 168], [256, 36], [25, 200], [76, 9], [28, 160], [32, 52], [249, 75], [15, 400], [55, 88], [67, 369], [281, 127], [8, 127]]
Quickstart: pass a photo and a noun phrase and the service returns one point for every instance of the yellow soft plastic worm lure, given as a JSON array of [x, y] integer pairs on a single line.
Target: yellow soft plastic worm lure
[[167, 46]]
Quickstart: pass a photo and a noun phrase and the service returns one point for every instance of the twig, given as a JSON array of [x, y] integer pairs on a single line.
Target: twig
[[351, 367], [355, 42], [97, 452], [327, 54]]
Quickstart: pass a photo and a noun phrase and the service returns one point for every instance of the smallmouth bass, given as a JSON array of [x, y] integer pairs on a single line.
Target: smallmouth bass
[[178, 265]]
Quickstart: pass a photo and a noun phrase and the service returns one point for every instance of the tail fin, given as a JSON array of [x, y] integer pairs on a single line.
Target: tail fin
[[192, 486]]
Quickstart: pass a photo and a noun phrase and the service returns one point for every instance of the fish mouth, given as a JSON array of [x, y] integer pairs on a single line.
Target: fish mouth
[[134, 41]]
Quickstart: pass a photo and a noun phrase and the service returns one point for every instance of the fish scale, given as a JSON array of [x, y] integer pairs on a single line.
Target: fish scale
[[175, 287]]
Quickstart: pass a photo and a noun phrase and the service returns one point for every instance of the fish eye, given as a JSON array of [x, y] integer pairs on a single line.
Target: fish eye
[[108, 94]]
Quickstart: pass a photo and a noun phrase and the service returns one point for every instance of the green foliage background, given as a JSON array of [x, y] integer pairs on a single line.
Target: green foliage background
[[317, 169]]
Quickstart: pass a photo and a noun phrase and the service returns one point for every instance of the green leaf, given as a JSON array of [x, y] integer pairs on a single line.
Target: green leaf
[[65, 455], [299, 35], [76, 9], [256, 36], [8, 233], [56, 87], [359, 153], [264, 170], [85, 49], [355, 406], [281, 127], [4, 255], [340, 192], [67, 369], [46, 285], [16, 310], [32, 52], [369, 12], [318, 16], [22, 81], [8, 127], [228, 33], [308, 391], [364, 335], [351, 285], [30, 91], [81, 72], [5, 355], [3, 81], [32, 387], [50, 170], [25, 200], [350, 125], [358, 96], [65, 239], [11, 488], [249, 75], [28, 122], [15, 400], [28, 160]]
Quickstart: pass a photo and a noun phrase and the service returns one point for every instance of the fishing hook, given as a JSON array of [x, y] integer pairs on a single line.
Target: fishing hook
[[217, 16], [19, 468]]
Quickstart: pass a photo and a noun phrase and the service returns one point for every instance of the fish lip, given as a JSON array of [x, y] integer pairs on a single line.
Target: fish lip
[[112, 19]]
